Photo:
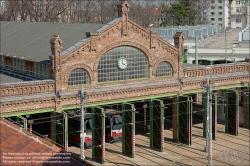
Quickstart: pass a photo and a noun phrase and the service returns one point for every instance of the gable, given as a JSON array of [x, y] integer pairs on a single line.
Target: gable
[[119, 33]]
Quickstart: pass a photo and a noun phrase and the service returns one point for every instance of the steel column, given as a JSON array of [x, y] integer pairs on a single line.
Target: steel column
[[184, 126], [53, 126], [98, 134], [128, 129], [156, 124], [246, 107], [175, 119], [25, 126], [232, 112], [214, 115]]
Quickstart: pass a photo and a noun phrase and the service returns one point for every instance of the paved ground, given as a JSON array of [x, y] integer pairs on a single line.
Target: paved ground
[[227, 150], [223, 41]]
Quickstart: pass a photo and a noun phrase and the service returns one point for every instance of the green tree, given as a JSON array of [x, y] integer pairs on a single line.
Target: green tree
[[181, 13]]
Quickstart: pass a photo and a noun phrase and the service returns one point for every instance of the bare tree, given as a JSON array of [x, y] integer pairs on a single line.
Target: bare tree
[[10, 12], [89, 13], [46, 10], [106, 10], [202, 7], [86, 11]]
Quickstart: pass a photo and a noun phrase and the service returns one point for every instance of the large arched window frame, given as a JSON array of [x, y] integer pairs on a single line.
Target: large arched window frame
[[137, 64], [78, 76], [164, 69]]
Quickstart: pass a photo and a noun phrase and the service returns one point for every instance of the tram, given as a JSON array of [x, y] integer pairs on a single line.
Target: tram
[[74, 129], [113, 127]]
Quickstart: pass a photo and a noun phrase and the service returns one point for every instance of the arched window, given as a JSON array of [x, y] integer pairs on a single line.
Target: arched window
[[122, 63], [78, 76], [164, 69]]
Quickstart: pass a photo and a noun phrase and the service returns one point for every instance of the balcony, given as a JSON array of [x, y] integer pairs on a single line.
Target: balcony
[[233, 13]]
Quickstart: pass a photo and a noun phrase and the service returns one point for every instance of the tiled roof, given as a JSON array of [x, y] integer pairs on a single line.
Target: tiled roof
[[20, 143], [157, 10]]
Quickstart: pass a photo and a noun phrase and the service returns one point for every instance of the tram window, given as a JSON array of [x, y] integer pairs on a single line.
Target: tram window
[[88, 125], [117, 120]]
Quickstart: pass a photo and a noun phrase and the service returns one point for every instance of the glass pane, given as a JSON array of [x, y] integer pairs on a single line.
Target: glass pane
[[164, 69], [136, 60], [78, 76]]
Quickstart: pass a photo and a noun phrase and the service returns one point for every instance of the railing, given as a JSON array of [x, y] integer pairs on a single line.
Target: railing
[[239, 13]]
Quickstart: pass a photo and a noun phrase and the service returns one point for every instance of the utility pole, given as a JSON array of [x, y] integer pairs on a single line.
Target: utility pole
[[209, 134], [210, 150], [196, 51], [82, 123], [208, 147], [207, 121]]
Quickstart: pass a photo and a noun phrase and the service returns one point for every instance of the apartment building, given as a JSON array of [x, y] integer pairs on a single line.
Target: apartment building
[[240, 11], [218, 13]]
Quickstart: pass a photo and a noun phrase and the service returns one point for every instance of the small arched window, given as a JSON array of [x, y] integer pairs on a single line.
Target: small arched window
[[164, 69], [78, 76]]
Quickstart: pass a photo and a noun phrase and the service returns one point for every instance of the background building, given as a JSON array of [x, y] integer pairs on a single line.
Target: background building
[[219, 13], [240, 14]]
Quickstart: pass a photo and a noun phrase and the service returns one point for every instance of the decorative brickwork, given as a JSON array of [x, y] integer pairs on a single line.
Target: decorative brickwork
[[217, 70], [24, 89]]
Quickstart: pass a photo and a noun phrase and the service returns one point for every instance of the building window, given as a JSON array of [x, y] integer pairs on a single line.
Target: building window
[[212, 13], [42, 70], [2, 61], [212, 7], [238, 10], [238, 20], [212, 19], [237, 2], [220, 13], [212, 1], [136, 64], [29, 67], [164, 69], [78, 76], [8, 63], [219, 1], [219, 19], [220, 7]]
